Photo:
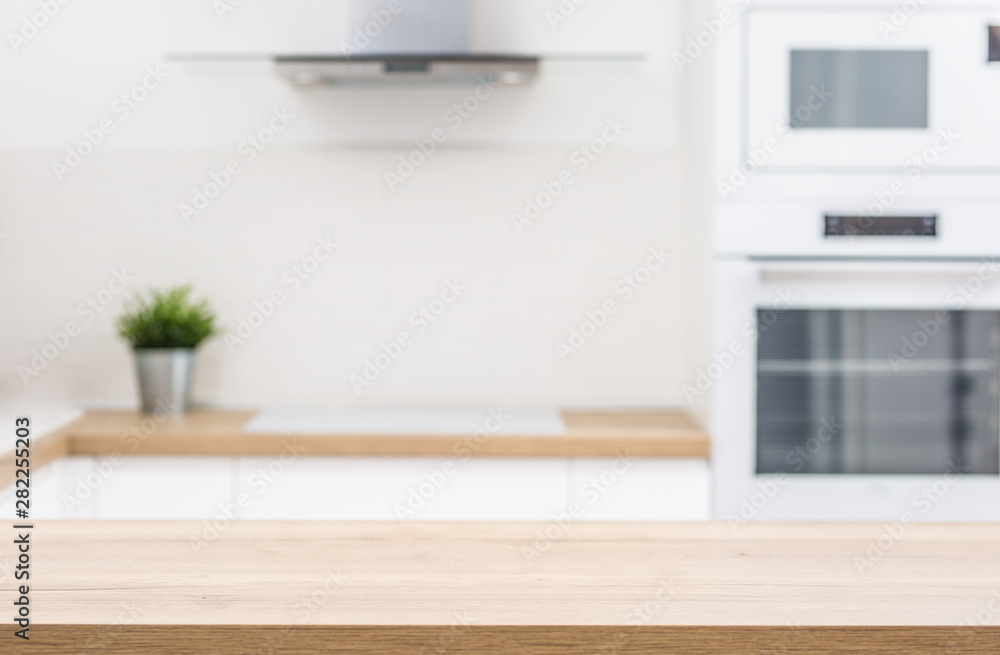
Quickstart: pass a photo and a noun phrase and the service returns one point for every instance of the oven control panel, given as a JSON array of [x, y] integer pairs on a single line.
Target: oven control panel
[[880, 226]]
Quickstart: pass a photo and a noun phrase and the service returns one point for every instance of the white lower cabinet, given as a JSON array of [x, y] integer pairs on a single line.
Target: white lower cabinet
[[371, 488], [43, 501], [390, 489], [641, 489], [146, 487]]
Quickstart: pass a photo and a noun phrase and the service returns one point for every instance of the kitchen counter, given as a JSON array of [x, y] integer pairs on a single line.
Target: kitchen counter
[[525, 588], [221, 433]]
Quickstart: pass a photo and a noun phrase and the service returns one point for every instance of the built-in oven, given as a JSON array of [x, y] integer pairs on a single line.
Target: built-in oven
[[872, 86], [856, 375]]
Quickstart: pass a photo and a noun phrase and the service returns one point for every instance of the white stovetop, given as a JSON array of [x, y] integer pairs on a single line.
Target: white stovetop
[[408, 420]]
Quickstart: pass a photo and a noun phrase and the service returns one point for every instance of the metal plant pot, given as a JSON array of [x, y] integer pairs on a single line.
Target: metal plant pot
[[165, 379]]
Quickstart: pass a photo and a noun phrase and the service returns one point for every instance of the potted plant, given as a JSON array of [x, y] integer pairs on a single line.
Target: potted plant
[[164, 329]]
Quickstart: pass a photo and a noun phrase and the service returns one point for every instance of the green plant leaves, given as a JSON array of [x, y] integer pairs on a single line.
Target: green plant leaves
[[167, 319]]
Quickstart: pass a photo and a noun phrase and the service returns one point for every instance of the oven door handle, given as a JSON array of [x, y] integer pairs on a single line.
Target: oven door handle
[[838, 272]]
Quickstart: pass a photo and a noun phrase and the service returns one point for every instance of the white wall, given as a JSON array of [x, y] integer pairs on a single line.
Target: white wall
[[324, 176]]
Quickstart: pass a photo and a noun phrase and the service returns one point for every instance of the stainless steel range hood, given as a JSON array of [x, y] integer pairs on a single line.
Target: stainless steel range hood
[[309, 70], [407, 40]]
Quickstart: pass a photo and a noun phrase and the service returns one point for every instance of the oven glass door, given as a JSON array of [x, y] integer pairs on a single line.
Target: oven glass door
[[879, 392], [839, 89], [850, 390]]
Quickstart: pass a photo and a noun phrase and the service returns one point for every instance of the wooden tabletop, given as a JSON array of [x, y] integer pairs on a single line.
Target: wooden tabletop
[[163, 587]]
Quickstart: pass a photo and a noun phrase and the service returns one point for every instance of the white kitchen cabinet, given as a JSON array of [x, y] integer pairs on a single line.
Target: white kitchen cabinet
[[154, 487], [75, 483], [45, 497], [390, 489], [643, 489], [502, 489], [842, 88], [51, 493], [321, 488], [369, 489], [44, 501]]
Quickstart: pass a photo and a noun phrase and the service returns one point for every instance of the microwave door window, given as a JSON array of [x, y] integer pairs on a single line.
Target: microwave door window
[[878, 392], [858, 89]]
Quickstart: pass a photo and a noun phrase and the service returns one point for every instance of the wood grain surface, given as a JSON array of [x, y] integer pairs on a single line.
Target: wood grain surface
[[510, 640], [243, 587]]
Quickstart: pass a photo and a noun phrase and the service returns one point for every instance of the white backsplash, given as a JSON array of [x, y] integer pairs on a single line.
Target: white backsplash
[[325, 177]]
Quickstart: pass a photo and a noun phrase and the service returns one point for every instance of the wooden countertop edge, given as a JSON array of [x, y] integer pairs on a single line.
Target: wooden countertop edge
[[688, 444], [44, 450], [82, 437], [119, 639]]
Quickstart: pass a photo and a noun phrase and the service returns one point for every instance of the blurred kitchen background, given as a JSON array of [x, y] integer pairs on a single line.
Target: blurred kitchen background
[[65, 234]]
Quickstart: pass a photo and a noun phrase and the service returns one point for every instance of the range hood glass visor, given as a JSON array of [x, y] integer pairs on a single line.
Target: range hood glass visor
[[408, 27]]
